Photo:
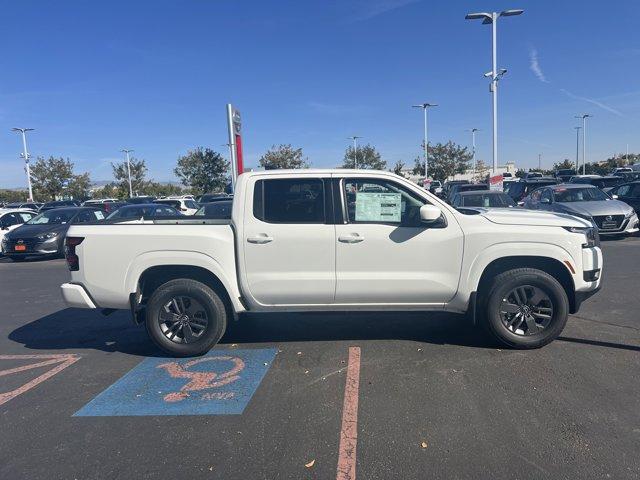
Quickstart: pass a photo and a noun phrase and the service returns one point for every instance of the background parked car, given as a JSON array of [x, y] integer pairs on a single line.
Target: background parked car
[[28, 205], [447, 187], [586, 201], [520, 189], [10, 219], [44, 234], [217, 210], [59, 204], [629, 193], [598, 181], [140, 200], [213, 197], [465, 187], [145, 210], [484, 199], [435, 187], [565, 174], [184, 205]]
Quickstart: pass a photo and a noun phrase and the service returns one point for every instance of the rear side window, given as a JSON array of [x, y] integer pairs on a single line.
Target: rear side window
[[298, 200]]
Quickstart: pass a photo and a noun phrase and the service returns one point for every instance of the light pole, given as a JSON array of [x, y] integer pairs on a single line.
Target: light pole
[[473, 145], [577, 148], [495, 75], [127, 152], [584, 117], [25, 155], [355, 150], [425, 107], [539, 162]]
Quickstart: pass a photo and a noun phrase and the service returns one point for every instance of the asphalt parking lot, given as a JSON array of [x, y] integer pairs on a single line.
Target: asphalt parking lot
[[382, 395]]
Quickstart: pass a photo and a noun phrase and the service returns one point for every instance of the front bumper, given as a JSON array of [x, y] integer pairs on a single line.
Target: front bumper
[[75, 295], [32, 247], [629, 226]]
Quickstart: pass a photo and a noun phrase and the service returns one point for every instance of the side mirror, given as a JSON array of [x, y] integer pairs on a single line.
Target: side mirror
[[546, 201], [4, 227], [429, 213]]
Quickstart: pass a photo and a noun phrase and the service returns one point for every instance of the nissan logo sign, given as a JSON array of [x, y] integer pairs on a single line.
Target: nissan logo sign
[[608, 218]]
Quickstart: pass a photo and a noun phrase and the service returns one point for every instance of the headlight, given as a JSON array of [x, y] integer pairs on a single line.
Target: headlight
[[592, 238], [47, 236], [630, 214]]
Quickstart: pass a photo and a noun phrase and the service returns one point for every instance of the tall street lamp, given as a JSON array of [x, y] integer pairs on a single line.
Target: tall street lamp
[[355, 150], [584, 117], [25, 154], [127, 152], [494, 74], [577, 148], [473, 145], [425, 107]]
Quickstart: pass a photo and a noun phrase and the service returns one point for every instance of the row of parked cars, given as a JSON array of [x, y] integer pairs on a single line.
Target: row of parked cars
[[30, 229], [610, 202]]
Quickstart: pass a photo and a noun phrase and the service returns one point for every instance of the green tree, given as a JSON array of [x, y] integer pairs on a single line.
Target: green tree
[[367, 158], [110, 190], [9, 195], [448, 159], [398, 167], [418, 166], [283, 156], [162, 189], [54, 178], [566, 164], [482, 171], [520, 173], [203, 171], [138, 177]]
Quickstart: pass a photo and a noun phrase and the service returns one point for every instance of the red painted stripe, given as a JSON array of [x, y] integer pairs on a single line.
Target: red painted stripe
[[349, 431], [65, 360]]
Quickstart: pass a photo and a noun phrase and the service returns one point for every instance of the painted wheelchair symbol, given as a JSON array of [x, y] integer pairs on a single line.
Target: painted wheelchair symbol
[[199, 381]]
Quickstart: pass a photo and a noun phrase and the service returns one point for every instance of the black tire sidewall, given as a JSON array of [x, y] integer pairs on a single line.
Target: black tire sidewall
[[503, 284], [213, 305]]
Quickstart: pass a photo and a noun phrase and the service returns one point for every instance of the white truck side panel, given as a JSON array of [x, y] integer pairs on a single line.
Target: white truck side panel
[[136, 247]]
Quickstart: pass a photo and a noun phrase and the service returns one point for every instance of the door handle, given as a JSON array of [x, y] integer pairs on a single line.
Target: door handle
[[260, 239], [352, 238]]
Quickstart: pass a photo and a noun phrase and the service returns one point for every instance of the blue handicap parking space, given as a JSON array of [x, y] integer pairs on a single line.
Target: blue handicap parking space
[[219, 383]]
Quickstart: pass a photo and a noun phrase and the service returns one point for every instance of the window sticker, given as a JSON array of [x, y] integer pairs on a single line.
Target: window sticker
[[99, 215], [378, 207]]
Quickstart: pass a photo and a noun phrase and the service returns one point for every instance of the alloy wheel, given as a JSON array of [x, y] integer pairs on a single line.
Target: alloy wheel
[[183, 319], [526, 310]]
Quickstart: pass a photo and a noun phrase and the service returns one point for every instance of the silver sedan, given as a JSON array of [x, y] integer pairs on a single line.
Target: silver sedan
[[612, 217]]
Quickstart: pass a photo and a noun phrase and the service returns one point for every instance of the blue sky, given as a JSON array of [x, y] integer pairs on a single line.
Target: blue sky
[[95, 77]]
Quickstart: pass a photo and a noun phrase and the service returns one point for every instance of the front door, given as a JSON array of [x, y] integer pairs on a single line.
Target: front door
[[288, 244], [385, 255]]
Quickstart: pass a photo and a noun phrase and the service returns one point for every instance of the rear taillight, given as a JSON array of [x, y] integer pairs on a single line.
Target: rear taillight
[[70, 244]]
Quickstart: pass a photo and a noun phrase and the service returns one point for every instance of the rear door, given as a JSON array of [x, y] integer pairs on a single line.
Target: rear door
[[385, 255], [288, 241]]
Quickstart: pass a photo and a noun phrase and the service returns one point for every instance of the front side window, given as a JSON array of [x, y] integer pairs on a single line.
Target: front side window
[[381, 201], [297, 200]]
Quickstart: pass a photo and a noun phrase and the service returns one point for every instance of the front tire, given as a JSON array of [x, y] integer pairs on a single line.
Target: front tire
[[525, 308], [185, 317]]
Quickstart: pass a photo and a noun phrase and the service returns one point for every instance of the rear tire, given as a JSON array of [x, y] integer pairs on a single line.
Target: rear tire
[[525, 308], [185, 317]]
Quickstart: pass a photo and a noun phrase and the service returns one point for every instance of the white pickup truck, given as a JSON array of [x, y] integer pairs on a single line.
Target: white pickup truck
[[320, 240]]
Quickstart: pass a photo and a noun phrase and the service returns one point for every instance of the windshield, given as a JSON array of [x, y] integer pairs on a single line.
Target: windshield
[[52, 217], [135, 211], [579, 195], [488, 200]]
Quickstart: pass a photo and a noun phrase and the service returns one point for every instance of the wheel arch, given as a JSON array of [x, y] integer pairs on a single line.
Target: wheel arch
[[150, 270], [552, 266]]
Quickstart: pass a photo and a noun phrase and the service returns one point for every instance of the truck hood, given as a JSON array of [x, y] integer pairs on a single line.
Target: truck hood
[[533, 217]]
